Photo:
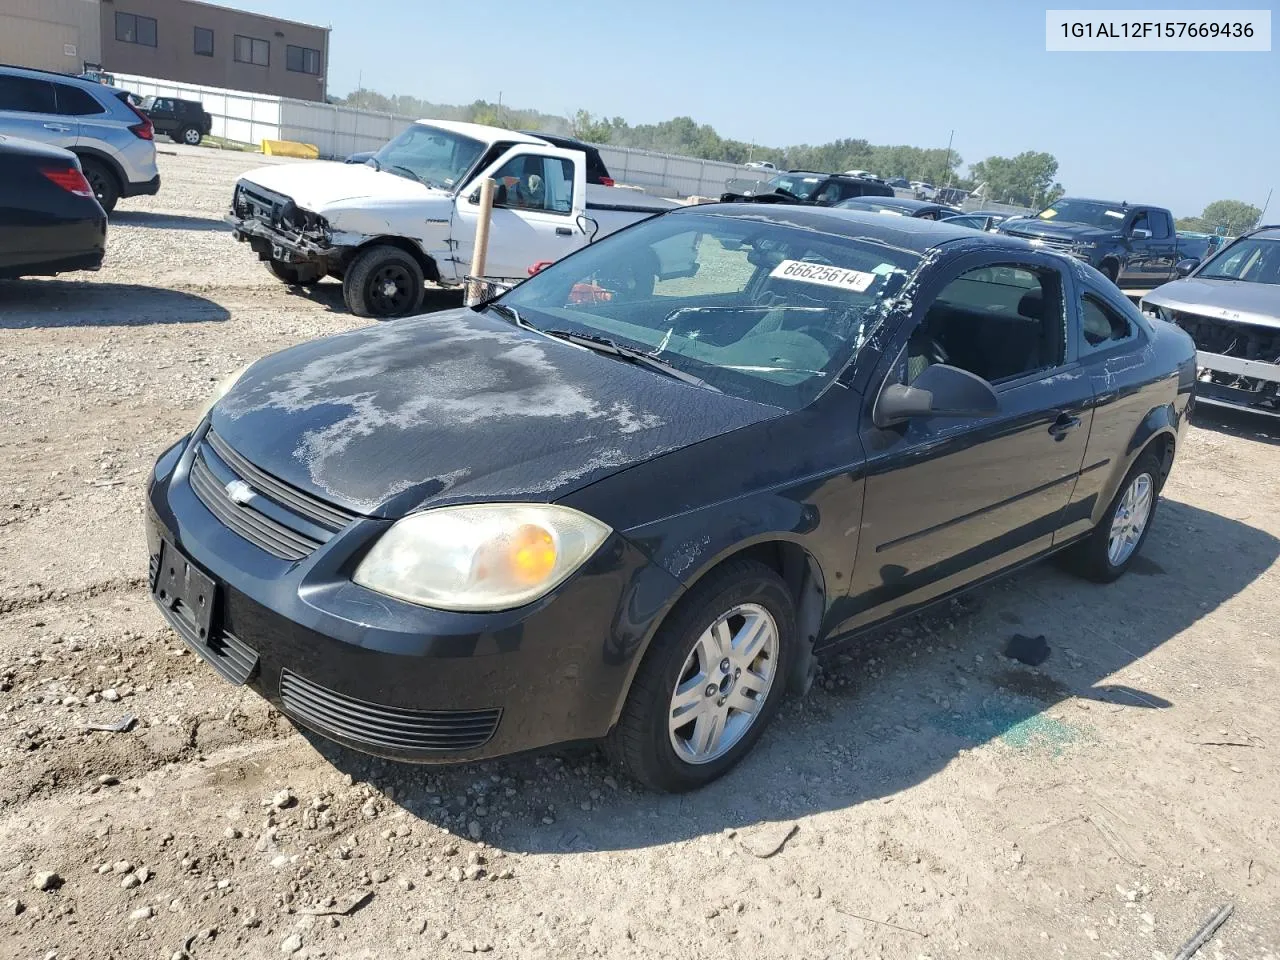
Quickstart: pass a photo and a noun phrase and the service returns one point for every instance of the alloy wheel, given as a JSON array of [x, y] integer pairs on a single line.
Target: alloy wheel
[[1130, 519], [723, 684]]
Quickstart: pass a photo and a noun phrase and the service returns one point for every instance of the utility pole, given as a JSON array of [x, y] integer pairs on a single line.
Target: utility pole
[[499, 106], [950, 137], [1264, 208]]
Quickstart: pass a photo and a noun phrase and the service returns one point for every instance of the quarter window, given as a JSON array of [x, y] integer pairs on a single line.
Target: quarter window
[[1102, 325], [203, 42], [131, 28], [536, 183], [1000, 322], [252, 50], [302, 60], [26, 95]]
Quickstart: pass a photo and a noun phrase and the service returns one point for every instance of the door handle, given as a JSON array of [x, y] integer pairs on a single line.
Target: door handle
[[1063, 425], [563, 232], [57, 128]]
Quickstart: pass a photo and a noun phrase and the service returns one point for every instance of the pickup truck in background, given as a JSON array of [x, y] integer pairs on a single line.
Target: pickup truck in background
[[409, 214], [1135, 245]]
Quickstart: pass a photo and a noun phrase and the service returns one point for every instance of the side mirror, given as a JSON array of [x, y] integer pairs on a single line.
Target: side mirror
[[1185, 267], [940, 391], [1140, 234]]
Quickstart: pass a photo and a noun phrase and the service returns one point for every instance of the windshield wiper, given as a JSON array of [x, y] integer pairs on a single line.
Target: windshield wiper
[[513, 315], [396, 166], [377, 164], [611, 349]]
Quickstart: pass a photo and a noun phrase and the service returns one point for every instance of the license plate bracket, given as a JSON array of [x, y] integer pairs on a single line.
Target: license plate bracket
[[186, 593]]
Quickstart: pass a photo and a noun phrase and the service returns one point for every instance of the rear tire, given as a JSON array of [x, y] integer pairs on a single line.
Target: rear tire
[[191, 136], [383, 281], [105, 185], [742, 596], [296, 274], [1101, 557]]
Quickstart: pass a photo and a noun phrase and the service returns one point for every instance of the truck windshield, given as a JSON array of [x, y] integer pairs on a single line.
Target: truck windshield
[[1254, 261], [765, 311], [435, 156], [1089, 212], [800, 187]]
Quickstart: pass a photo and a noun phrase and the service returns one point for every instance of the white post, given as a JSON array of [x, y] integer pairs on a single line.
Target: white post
[[475, 288]]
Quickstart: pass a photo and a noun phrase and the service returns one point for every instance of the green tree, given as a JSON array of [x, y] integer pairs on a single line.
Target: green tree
[[1026, 179], [1233, 216], [1193, 224], [591, 129]]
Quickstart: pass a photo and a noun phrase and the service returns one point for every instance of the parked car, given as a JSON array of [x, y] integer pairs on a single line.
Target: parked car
[[759, 165], [951, 196], [50, 222], [112, 138], [1230, 306], [808, 187], [901, 207], [863, 174], [547, 519], [979, 219], [183, 121], [898, 183], [923, 190], [410, 213], [1199, 246], [1133, 244]]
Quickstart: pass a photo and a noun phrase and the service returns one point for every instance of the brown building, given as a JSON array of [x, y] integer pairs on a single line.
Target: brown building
[[200, 43]]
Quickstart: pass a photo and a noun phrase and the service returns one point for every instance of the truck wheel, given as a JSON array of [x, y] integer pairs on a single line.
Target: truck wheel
[[1111, 270], [1107, 552], [191, 136], [296, 274], [105, 186], [383, 281]]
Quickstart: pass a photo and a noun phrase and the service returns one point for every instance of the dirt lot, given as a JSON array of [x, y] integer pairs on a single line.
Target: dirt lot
[[929, 799]]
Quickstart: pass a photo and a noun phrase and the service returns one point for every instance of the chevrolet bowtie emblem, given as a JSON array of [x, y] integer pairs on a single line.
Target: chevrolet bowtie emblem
[[239, 491]]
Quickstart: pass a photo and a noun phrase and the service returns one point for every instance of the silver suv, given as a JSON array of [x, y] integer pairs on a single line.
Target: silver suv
[[114, 141]]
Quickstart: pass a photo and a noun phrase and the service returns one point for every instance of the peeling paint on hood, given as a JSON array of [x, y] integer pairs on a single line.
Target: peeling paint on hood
[[458, 406]]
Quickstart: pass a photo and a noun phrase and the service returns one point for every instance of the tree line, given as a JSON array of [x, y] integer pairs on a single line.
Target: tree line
[[1028, 179]]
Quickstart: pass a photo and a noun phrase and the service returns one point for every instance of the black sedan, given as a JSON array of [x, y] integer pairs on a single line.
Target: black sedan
[[50, 222], [629, 502], [900, 206]]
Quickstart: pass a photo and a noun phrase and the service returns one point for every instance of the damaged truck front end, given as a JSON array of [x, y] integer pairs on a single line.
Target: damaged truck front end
[[279, 231]]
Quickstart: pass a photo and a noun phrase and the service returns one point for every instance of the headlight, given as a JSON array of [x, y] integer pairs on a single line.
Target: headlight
[[220, 391], [490, 556]]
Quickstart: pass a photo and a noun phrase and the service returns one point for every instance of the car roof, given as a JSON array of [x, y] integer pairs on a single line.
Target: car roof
[[911, 233], [480, 131], [1268, 232]]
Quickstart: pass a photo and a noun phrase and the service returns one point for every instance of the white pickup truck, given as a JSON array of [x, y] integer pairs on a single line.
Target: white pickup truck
[[409, 213]]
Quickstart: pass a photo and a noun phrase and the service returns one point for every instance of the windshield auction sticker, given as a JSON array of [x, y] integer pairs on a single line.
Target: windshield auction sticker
[[823, 275], [1118, 31]]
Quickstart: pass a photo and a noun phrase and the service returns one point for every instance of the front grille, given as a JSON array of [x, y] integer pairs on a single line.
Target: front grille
[[1057, 243], [1243, 340], [388, 728], [280, 519]]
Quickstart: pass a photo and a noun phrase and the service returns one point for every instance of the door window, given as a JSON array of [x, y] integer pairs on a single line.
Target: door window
[[25, 95], [74, 102], [1161, 228], [1101, 324], [1001, 322], [530, 182], [1140, 222]]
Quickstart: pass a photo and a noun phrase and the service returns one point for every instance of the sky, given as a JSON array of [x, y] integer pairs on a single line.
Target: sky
[[1173, 129]]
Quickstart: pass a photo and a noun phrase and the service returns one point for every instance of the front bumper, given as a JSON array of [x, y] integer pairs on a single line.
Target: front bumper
[[269, 242], [1238, 383], [398, 680]]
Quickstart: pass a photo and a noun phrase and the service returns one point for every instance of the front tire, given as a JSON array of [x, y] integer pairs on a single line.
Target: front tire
[[295, 274], [105, 186], [1114, 543], [711, 681], [383, 281]]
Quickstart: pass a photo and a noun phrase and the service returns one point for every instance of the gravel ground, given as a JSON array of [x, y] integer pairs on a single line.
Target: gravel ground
[[928, 799]]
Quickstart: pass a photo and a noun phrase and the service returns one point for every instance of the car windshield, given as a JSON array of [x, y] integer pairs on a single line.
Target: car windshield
[[437, 157], [1253, 261], [760, 310], [1084, 211], [800, 186]]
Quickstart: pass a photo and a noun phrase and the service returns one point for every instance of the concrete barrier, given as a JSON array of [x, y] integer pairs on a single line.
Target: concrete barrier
[[288, 148]]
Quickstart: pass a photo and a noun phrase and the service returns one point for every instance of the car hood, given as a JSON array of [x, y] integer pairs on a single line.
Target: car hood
[[1035, 227], [316, 184], [1235, 300], [459, 406]]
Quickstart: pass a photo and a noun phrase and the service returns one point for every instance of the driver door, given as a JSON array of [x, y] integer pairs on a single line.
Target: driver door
[[540, 196]]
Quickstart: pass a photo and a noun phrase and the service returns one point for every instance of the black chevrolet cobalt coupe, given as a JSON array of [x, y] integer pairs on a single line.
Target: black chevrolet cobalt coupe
[[630, 499]]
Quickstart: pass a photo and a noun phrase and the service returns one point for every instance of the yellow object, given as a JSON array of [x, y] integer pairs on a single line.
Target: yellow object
[[533, 554], [287, 148]]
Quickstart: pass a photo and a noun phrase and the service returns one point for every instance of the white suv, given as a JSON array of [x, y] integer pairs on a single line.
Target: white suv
[[114, 141]]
